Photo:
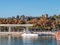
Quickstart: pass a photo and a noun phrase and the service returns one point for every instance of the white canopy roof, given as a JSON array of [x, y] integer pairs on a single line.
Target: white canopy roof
[[16, 24]]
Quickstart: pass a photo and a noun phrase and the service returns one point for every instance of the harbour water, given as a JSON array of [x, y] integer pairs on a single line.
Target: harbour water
[[41, 40]]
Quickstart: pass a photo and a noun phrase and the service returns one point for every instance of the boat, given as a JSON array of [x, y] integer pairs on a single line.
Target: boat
[[44, 34], [28, 34], [57, 35]]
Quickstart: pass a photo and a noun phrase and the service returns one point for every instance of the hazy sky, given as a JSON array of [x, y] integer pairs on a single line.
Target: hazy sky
[[9, 8]]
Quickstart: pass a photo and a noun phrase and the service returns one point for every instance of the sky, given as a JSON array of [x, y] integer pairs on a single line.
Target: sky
[[9, 8]]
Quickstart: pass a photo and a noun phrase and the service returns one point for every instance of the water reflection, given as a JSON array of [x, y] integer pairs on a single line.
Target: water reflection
[[3, 40], [12, 40], [29, 40], [47, 41], [58, 42], [39, 41], [9, 40]]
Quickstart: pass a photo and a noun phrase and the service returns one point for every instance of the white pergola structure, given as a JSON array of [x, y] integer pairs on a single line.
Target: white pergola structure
[[12, 25]]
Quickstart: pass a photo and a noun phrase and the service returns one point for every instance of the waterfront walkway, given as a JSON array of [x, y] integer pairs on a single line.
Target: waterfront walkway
[[20, 33]]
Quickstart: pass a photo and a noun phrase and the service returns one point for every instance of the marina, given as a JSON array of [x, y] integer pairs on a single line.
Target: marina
[[29, 22], [26, 37], [25, 31]]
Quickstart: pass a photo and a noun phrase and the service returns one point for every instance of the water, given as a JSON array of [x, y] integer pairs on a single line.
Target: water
[[9, 40]]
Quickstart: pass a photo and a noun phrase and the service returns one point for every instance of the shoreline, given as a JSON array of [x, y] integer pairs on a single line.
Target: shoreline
[[20, 33]]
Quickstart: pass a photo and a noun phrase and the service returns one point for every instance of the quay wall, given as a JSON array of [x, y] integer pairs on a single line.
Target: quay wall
[[19, 33]]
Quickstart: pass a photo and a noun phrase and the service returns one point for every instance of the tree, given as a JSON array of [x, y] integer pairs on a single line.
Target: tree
[[17, 16]]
